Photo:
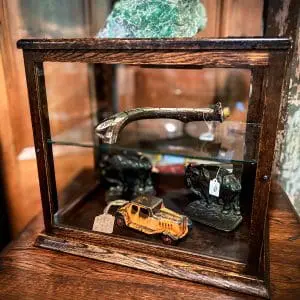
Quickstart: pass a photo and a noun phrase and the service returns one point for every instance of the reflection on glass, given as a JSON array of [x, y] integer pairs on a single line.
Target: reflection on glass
[[155, 87], [196, 169], [231, 141]]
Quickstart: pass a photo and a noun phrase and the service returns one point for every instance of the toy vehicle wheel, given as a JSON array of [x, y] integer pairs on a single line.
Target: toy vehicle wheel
[[120, 221], [167, 240]]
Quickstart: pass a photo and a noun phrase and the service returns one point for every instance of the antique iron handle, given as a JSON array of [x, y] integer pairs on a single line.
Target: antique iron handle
[[109, 130]]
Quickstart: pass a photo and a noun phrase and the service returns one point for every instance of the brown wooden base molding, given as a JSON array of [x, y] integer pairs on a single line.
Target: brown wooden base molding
[[169, 267]]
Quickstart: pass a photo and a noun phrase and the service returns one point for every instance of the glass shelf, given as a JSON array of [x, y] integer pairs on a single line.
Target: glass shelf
[[170, 146], [226, 142]]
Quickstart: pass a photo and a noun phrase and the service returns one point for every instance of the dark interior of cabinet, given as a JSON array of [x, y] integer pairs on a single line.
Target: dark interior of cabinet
[[201, 240]]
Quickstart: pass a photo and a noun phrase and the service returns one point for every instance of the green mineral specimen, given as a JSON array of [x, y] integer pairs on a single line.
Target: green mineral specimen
[[155, 19]]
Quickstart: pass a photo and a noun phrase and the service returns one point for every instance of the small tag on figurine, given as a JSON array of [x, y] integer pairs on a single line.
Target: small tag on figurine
[[104, 223], [214, 187]]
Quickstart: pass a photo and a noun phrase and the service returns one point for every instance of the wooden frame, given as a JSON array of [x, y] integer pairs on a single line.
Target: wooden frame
[[265, 57]]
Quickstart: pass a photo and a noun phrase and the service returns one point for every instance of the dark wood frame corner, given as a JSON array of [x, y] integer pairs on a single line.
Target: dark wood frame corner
[[266, 59]]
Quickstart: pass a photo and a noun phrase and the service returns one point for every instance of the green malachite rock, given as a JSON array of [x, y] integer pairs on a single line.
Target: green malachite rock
[[155, 19]]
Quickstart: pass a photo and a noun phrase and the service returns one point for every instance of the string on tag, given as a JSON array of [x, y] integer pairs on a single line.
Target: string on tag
[[207, 136], [105, 222], [217, 173], [209, 126]]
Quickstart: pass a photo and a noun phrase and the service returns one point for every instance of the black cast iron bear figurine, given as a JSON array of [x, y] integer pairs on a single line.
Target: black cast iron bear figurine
[[126, 174]]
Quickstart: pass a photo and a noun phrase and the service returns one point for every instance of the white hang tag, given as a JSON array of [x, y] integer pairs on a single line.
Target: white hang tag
[[214, 187], [104, 223]]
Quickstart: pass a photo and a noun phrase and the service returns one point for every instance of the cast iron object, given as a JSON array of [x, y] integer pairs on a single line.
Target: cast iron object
[[109, 130], [221, 212], [125, 174]]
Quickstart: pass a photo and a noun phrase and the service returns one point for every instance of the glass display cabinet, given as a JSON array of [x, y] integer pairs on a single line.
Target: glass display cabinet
[[163, 180]]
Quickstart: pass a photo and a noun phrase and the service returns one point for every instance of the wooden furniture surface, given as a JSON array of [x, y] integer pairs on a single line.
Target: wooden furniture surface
[[27, 272]]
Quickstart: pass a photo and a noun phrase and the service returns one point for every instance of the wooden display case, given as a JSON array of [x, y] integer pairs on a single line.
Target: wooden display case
[[237, 261]]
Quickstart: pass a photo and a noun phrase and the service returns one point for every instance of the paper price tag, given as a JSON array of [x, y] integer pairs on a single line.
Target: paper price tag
[[104, 223], [214, 188]]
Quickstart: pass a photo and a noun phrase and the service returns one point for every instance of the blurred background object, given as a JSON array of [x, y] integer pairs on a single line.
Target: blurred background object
[[73, 89], [38, 19], [154, 19]]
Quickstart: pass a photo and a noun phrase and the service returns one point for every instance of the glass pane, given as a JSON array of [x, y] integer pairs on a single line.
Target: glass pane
[[167, 87], [223, 142], [179, 183]]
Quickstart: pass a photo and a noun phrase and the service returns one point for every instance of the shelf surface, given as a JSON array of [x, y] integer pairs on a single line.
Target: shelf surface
[[213, 141], [201, 240]]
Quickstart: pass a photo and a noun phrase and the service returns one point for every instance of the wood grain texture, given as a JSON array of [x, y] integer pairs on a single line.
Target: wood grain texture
[[156, 57], [284, 246], [34, 273], [254, 115], [174, 268], [147, 249], [41, 130], [156, 44], [271, 101]]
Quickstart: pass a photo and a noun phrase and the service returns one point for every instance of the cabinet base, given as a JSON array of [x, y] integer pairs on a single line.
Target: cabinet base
[[170, 267]]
